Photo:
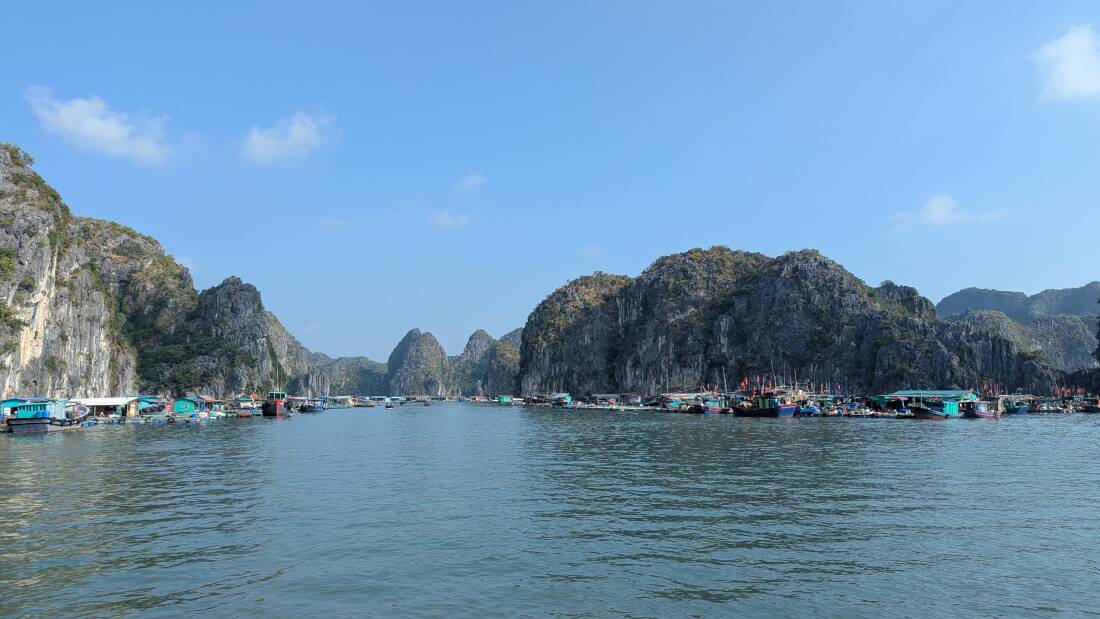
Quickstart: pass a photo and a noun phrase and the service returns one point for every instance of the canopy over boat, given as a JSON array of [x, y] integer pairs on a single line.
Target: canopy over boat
[[959, 395]]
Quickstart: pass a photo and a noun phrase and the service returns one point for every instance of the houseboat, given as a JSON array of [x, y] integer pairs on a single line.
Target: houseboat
[[933, 404], [189, 408], [38, 415]]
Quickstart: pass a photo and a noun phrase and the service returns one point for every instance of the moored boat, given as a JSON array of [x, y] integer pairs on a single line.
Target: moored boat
[[38, 415], [767, 406], [978, 409], [275, 405], [935, 409], [311, 406]]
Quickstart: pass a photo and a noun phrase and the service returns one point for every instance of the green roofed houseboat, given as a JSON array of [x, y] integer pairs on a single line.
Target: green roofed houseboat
[[933, 404]]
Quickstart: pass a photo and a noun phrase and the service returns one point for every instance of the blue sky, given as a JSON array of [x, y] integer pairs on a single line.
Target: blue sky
[[373, 168]]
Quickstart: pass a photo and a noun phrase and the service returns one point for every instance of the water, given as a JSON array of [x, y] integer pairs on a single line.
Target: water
[[461, 510]]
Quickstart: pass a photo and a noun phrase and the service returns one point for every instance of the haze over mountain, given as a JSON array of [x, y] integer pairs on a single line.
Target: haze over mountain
[[1060, 323]]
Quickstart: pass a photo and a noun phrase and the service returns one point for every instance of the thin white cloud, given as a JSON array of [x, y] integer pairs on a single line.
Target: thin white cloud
[[333, 224], [1072, 63], [446, 219], [90, 123], [470, 182], [943, 210], [293, 137]]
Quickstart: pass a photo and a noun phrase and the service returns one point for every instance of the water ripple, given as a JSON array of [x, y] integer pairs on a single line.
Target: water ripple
[[471, 511]]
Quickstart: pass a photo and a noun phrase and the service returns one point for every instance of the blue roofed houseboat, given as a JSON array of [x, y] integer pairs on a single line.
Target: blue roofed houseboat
[[36, 415]]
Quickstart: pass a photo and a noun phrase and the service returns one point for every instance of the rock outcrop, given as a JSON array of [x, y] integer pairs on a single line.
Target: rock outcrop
[[712, 317], [1058, 323], [419, 366], [1023, 308], [486, 367], [513, 338], [91, 307], [341, 376]]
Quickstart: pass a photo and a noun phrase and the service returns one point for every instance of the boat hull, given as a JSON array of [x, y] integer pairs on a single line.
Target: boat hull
[[1090, 408], [982, 415], [274, 409], [921, 412], [311, 409], [1017, 410], [42, 425], [786, 410]]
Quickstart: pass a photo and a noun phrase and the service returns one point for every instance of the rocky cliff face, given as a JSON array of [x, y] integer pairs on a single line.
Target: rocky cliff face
[[513, 338], [715, 316], [1023, 308], [227, 343], [1058, 323], [1064, 341], [94, 308], [59, 321], [419, 366], [486, 366], [341, 376]]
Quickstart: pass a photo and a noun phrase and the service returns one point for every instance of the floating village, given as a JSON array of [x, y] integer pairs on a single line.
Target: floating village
[[755, 398]]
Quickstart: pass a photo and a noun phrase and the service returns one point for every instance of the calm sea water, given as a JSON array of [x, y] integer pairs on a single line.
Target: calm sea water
[[462, 510]]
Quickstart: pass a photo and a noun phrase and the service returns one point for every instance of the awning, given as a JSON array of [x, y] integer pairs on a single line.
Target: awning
[[104, 401]]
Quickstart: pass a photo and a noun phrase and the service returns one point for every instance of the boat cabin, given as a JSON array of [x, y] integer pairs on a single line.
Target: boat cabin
[[39, 408], [6, 406]]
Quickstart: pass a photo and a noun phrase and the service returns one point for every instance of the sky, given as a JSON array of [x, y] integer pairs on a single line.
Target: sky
[[375, 167]]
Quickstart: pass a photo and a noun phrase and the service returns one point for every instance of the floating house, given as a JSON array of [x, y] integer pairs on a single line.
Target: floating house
[[188, 406], [604, 399], [937, 404], [127, 406], [561, 399]]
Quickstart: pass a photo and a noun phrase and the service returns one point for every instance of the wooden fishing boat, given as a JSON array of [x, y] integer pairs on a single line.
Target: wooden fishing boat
[[979, 410], [275, 405], [39, 415], [935, 409], [767, 406], [312, 406]]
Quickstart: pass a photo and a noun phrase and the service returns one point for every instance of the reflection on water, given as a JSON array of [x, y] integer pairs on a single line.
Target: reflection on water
[[476, 511]]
